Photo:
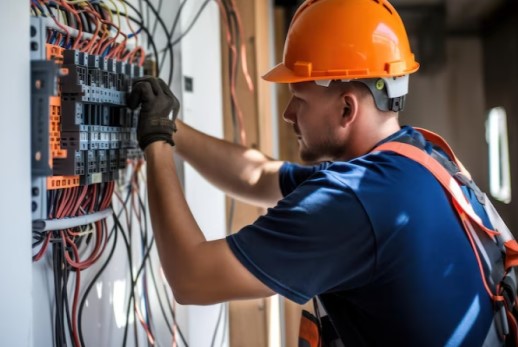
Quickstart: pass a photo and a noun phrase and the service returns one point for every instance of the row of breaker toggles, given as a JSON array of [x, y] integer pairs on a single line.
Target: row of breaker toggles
[[97, 130]]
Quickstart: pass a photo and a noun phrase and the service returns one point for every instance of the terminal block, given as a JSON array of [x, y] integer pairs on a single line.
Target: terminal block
[[82, 131]]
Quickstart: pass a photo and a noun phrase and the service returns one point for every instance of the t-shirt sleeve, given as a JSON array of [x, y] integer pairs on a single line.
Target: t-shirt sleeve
[[317, 239], [291, 175]]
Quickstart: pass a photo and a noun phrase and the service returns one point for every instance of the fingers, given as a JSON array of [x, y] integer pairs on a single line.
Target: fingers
[[149, 79], [165, 88], [142, 92], [174, 99], [148, 90]]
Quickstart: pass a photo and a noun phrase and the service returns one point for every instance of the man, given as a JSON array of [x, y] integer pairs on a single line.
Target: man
[[373, 235]]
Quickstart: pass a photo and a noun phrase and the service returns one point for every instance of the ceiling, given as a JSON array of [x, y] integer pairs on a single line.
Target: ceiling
[[460, 15], [463, 16]]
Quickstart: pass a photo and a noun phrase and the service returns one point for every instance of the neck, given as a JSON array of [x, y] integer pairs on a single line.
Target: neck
[[363, 136]]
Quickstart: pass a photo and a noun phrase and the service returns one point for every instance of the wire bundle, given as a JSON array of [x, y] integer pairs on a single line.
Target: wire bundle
[[95, 27], [66, 245], [89, 27]]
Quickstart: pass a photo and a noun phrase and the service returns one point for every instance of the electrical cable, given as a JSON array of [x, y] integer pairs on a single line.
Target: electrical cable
[[182, 337], [159, 8], [146, 30], [162, 24], [190, 26], [64, 203], [92, 283], [213, 340], [173, 28], [225, 321], [66, 271]]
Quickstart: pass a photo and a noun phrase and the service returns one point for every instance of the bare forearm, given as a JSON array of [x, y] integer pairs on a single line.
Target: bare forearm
[[176, 232], [198, 271], [244, 173]]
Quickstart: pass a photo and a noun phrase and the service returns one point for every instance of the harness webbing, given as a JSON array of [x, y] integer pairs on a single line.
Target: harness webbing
[[449, 180]]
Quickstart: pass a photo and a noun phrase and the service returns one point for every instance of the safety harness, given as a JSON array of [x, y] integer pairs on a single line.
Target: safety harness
[[495, 249]]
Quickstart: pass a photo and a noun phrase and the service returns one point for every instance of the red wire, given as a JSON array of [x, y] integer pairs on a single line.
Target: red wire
[[62, 27], [233, 95], [97, 26], [100, 245], [150, 337], [69, 206], [125, 209], [75, 302], [43, 249], [63, 203], [244, 65], [78, 22]]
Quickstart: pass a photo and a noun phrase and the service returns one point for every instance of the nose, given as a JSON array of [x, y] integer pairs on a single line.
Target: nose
[[289, 114]]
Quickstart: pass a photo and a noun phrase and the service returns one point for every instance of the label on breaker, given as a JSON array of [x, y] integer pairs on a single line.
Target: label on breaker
[[97, 177]]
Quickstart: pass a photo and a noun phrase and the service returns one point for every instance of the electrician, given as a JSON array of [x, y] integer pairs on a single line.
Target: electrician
[[373, 235]]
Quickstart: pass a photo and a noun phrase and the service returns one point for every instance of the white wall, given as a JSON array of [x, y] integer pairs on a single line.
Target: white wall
[[15, 224], [203, 109]]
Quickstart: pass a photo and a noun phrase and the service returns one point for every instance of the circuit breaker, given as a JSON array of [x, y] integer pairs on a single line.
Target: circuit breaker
[[82, 131]]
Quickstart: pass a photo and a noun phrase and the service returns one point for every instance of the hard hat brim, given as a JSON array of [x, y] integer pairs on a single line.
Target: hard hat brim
[[282, 74]]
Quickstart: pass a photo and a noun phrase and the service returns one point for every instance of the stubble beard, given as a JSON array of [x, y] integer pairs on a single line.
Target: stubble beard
[[325, 151]]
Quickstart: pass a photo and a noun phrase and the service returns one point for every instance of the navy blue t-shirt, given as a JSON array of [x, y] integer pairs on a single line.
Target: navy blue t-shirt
[[378, 241]]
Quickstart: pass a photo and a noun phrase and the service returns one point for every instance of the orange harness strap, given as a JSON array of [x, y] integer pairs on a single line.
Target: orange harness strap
[[450, 184], [460, 202], [442, 175], [436, 139]]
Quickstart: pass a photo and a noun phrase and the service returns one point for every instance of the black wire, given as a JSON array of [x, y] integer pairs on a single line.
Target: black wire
[[133, 281], [92, 282], [159, 8], [150, 39], [147, 16], [39, 237], [217, 325], [161, 305], [66, 271], [98, 274], [150, 260], [143, 240], [130, 261], [169, 38], [195, 19], [225, 320], [173, 28], [162, 24], [59, 338]]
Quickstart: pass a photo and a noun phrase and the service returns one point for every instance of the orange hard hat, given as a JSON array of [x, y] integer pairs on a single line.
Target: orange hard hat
[[344, 40]]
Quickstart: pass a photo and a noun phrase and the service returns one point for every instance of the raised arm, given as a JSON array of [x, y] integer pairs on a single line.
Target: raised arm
[[244, 173], [198, 271]]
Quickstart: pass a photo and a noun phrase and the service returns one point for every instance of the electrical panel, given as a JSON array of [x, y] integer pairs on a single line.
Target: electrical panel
[[82, 131]]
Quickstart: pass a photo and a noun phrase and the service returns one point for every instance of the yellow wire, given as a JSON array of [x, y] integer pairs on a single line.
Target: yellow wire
[[75, 2], [104, 26], [117, 11], [37, 10], [126, 13]]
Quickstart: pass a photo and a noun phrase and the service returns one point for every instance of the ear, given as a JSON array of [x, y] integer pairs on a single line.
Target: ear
[[350, 104]]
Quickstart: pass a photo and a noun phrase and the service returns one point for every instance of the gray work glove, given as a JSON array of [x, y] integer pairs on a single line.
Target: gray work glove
[[156, 101]]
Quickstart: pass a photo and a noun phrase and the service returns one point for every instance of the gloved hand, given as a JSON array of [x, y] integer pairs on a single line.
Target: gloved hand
[[157, 101]]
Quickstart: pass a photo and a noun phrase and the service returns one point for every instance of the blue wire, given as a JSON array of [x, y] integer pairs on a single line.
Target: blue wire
[[35, 3], [105, 53], [53, 37], [138, 32]]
